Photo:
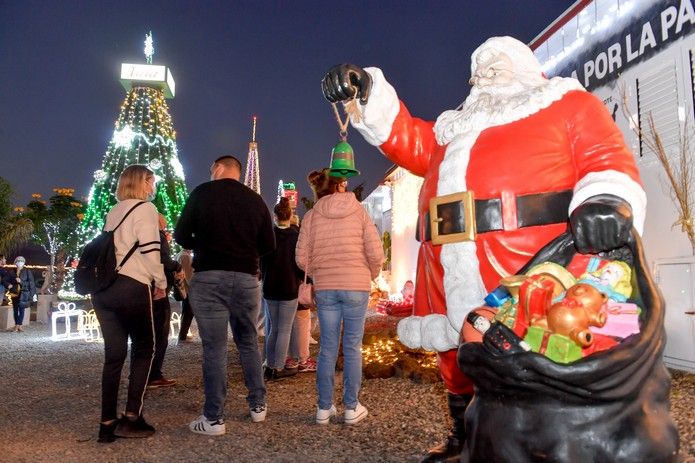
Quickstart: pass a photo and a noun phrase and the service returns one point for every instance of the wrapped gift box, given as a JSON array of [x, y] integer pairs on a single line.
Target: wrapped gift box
[[622, 320], [507, 315], [556, 347]]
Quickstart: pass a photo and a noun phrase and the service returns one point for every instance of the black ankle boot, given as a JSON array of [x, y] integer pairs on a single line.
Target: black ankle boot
[[450, 451], [133, 427], [106, 434], [281, 373]]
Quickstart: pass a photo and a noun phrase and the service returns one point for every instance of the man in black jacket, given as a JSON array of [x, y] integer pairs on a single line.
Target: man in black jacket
[[228, 227]]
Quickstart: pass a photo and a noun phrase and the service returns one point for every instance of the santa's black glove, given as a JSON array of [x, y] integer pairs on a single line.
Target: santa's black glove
[[601, 223], [343, 81]]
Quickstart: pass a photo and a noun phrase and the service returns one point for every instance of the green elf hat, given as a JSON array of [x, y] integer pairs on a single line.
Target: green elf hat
[[343, 161]]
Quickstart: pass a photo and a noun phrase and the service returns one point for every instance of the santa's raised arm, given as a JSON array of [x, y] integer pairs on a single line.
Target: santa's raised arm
[[524, 158]]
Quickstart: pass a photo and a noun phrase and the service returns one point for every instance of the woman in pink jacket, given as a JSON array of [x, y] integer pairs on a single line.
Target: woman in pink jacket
[[340, 248]]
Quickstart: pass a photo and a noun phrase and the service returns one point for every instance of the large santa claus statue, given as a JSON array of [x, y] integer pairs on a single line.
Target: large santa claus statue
[[522, 159]]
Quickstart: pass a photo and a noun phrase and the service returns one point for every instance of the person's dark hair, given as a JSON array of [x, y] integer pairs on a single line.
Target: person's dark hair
[[228, 161], [283, 210], [322, 183]]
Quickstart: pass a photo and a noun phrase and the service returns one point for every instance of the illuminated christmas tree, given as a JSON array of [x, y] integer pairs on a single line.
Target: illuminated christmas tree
[[252, 177], [143, 134]]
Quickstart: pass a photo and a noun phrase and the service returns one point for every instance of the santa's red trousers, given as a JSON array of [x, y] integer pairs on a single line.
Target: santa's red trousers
[[454, 380]]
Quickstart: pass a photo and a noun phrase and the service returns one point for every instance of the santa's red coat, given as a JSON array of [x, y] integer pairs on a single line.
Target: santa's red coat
[[550, 150]]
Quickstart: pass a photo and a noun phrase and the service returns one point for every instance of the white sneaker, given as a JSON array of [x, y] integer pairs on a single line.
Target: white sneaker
[[324, 416], [258, 413], [355, 416], [202, 425]]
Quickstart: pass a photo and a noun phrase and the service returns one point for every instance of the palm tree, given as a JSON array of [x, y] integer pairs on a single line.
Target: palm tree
[[14, 230]]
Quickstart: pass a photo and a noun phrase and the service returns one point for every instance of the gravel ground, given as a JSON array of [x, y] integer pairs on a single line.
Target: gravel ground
[[50, 412]]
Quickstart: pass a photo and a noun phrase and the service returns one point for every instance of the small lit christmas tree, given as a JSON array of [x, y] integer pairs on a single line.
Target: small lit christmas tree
[[67, 291], [252, 177], [144, 134]]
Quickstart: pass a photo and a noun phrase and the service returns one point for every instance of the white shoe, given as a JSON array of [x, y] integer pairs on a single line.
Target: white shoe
[[355, 416], [258, 413], [202, 425], [324, 416]]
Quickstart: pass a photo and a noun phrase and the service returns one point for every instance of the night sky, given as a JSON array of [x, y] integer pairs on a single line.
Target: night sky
[[60, 63]]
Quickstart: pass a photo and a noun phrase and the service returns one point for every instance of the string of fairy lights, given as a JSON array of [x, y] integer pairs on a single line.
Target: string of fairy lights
[[389, 351]]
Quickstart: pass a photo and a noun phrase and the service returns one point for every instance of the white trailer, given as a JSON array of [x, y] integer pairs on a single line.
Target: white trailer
[[642, 50]]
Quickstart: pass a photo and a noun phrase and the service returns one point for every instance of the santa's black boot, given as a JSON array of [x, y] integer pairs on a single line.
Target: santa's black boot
[[450, 451]]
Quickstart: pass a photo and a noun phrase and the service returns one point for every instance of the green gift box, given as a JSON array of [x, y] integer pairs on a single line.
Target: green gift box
[[507, 314], [556, 347]]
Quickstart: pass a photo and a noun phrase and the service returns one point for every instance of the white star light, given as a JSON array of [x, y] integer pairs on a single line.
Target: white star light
[[149, 48], [124, 137]]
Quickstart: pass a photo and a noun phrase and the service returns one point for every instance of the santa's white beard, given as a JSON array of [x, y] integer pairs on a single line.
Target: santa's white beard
[[491, 99], [494, 105]]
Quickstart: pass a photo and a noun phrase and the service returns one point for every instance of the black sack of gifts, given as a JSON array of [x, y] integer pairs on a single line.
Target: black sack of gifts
[[611, 406]]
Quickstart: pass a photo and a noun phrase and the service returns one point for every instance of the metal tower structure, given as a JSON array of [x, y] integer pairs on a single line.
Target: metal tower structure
[[252, 177]]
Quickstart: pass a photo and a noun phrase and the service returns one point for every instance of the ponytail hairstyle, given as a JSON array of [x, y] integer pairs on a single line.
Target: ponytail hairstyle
[[323, 184], [283, 210]]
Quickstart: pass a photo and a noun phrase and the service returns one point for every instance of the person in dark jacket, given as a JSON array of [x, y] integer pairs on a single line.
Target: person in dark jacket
[[6, 279], [161, 313], [281, 278], [228, 227], [21, 299]]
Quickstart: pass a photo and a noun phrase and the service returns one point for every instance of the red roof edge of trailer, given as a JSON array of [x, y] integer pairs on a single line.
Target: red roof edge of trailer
[[564, 18]]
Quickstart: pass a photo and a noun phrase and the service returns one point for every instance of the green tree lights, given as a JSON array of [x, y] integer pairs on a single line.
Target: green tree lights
[[143, 134]]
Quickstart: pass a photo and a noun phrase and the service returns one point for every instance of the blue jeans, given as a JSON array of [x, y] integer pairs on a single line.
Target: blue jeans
[[350, 309], [279, 323], [218, 297]]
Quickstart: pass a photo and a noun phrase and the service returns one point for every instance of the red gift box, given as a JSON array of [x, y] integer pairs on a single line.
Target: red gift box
[[535, 296]]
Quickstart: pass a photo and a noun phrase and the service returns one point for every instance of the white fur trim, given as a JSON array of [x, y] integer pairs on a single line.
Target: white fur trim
[[408, 331], [432, 333], [614, 183], [379, 112]]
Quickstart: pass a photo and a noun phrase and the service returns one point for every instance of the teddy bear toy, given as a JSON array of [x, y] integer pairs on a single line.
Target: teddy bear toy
[[582, 307]]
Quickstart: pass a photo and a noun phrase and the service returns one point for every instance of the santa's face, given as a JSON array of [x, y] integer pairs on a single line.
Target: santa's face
[[492, 68]]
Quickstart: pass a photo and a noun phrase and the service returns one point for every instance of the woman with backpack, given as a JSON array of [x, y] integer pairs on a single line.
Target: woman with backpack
[[124, 309]]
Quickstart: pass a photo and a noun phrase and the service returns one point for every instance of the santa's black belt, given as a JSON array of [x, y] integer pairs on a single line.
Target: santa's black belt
[[459, 217]]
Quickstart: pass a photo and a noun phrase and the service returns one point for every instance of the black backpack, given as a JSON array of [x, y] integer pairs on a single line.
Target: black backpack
[[97, 269]]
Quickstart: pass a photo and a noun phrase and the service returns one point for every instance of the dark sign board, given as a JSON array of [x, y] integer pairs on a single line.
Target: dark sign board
[[628, 41]]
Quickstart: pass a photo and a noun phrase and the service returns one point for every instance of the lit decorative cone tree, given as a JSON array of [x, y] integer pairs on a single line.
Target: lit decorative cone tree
[[144, 134], [252, 177]]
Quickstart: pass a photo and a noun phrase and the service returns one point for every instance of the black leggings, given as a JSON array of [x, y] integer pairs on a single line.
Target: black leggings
[[186, 318], [124, 310], [161, 310]]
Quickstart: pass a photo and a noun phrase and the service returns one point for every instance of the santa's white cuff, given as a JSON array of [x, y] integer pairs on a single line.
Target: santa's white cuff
[[614, 183], [432, 333], [379, 112]]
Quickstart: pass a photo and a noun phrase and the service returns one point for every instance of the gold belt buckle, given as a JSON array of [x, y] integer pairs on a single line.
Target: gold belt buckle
[[452, 218]]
